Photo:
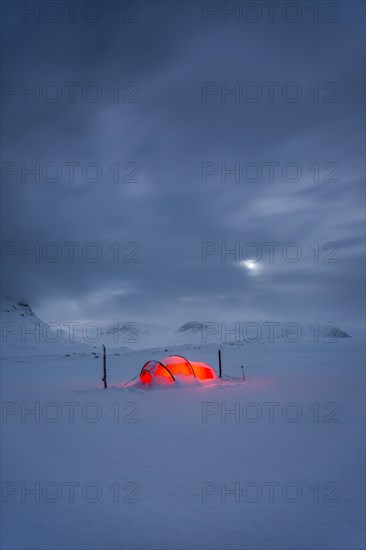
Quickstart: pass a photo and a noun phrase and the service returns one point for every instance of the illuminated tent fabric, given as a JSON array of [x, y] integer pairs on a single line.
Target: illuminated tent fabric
[[176, 368]]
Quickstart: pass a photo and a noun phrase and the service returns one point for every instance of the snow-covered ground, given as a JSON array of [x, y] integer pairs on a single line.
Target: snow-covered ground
[[275, 462]]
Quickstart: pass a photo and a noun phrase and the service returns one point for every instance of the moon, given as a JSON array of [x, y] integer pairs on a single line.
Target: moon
[[251, 266]]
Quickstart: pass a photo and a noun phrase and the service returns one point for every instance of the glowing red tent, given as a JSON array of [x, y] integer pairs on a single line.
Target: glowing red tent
[[176, 368]]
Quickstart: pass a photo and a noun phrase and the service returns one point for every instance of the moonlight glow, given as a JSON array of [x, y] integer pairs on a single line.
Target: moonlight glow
[[250, 266]]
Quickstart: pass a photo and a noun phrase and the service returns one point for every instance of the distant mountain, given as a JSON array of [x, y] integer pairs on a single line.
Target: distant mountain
[[191, 326], [134, 335], [195, 332], [24, 333], [338, 333], [18, 318], [242, 333]]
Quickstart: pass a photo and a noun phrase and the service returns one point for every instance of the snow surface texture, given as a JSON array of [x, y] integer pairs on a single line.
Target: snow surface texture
[[173, 468]]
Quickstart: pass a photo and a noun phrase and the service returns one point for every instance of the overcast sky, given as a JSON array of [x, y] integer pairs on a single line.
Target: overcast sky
[[172, 135]]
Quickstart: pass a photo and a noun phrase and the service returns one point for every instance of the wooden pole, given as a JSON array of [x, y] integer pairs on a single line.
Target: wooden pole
[[104, 366], [242, 368], [220, 369]]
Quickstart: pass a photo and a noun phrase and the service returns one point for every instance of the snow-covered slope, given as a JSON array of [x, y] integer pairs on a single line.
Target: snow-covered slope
[[275, 462], [24, 333], [219, 333]]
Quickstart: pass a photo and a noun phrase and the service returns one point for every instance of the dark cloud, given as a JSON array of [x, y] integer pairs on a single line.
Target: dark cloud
[[168, 133]]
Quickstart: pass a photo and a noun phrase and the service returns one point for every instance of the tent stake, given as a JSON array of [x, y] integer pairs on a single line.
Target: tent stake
[[220, 369], [242, 368], [104, 366]]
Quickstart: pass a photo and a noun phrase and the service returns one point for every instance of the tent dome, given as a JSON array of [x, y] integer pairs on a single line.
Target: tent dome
[[175, 368]]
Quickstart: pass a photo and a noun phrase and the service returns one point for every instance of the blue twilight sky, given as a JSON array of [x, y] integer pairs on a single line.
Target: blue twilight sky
[[154, 99]]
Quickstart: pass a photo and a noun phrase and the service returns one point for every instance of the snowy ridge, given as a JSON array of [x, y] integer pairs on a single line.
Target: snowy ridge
[[171, 443], [24, 333]]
